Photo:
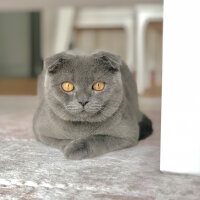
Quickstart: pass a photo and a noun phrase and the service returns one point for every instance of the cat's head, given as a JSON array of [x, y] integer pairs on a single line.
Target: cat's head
[[83, 87]]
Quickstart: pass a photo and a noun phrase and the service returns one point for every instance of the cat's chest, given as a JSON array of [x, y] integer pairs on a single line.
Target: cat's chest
[[62, 129], [52, 126]]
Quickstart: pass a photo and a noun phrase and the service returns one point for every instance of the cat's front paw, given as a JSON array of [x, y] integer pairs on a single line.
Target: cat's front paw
[[77, 149]]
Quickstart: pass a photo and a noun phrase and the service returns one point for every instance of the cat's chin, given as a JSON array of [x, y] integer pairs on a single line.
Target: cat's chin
[[85, 112], [82, 114]]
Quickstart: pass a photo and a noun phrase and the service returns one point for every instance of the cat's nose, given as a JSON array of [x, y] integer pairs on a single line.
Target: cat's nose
[[83, 103]]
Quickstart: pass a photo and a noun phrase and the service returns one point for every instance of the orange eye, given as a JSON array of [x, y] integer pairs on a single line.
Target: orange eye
[[67, 86], [98, 86]]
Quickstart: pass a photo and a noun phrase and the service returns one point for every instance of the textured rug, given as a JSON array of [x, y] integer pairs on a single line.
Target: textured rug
[[32, 171]]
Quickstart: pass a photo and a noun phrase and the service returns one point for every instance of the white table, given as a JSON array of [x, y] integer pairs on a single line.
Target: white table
[[30, 5]]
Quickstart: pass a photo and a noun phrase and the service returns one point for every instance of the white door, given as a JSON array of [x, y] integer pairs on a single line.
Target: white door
[[180, 132]]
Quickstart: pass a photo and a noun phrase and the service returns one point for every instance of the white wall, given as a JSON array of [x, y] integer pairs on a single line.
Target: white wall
[[180, 133]]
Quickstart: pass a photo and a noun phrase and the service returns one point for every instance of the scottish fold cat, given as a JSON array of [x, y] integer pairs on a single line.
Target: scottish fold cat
[[88, 105]]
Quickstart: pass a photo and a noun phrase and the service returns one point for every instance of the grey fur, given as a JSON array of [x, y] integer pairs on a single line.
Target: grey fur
[[110, 120]]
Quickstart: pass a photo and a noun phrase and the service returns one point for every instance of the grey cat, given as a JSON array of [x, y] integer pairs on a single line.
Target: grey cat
[[88, 105]]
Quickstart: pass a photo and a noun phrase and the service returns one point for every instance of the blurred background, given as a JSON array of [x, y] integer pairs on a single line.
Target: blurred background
[[30, 32], [33, 30]]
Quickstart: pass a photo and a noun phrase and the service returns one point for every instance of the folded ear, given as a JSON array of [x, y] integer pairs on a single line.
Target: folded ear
[[112, 61], [53, 63]]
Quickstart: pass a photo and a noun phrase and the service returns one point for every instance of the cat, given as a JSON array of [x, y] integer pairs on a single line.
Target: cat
[[88, 105]]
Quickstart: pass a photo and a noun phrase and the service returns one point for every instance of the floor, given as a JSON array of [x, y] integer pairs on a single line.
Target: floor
[[28, 86], [18, 86], [32, 171]]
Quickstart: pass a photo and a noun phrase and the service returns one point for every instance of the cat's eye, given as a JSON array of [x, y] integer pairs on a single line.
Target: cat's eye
[[67, 86], [98, 86]]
